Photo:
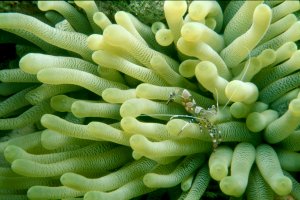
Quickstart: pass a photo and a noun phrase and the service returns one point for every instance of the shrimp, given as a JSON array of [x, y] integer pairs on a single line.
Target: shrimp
[[199, 115]]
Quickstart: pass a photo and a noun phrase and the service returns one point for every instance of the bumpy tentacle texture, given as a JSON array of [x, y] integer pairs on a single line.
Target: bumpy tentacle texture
[[269, 166], [242, 160], [92, 109]]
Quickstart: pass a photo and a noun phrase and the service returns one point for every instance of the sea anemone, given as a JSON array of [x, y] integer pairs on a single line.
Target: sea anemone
[[100, 108]]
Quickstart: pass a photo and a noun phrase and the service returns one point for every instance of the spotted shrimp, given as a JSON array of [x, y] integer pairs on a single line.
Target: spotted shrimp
[[204, 117], [198, 115]]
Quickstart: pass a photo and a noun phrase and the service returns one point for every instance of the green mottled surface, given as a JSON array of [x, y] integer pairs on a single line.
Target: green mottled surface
[[93, 109]]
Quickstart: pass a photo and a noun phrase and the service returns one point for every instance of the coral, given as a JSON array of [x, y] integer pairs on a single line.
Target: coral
[[149, 11], [96, 107]]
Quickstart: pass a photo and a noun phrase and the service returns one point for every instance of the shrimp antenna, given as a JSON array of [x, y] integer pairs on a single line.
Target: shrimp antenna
[[186, 124], [170, 115], [183, 116], [174, 117], [247, 67], [156, 115], [217, 96]]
